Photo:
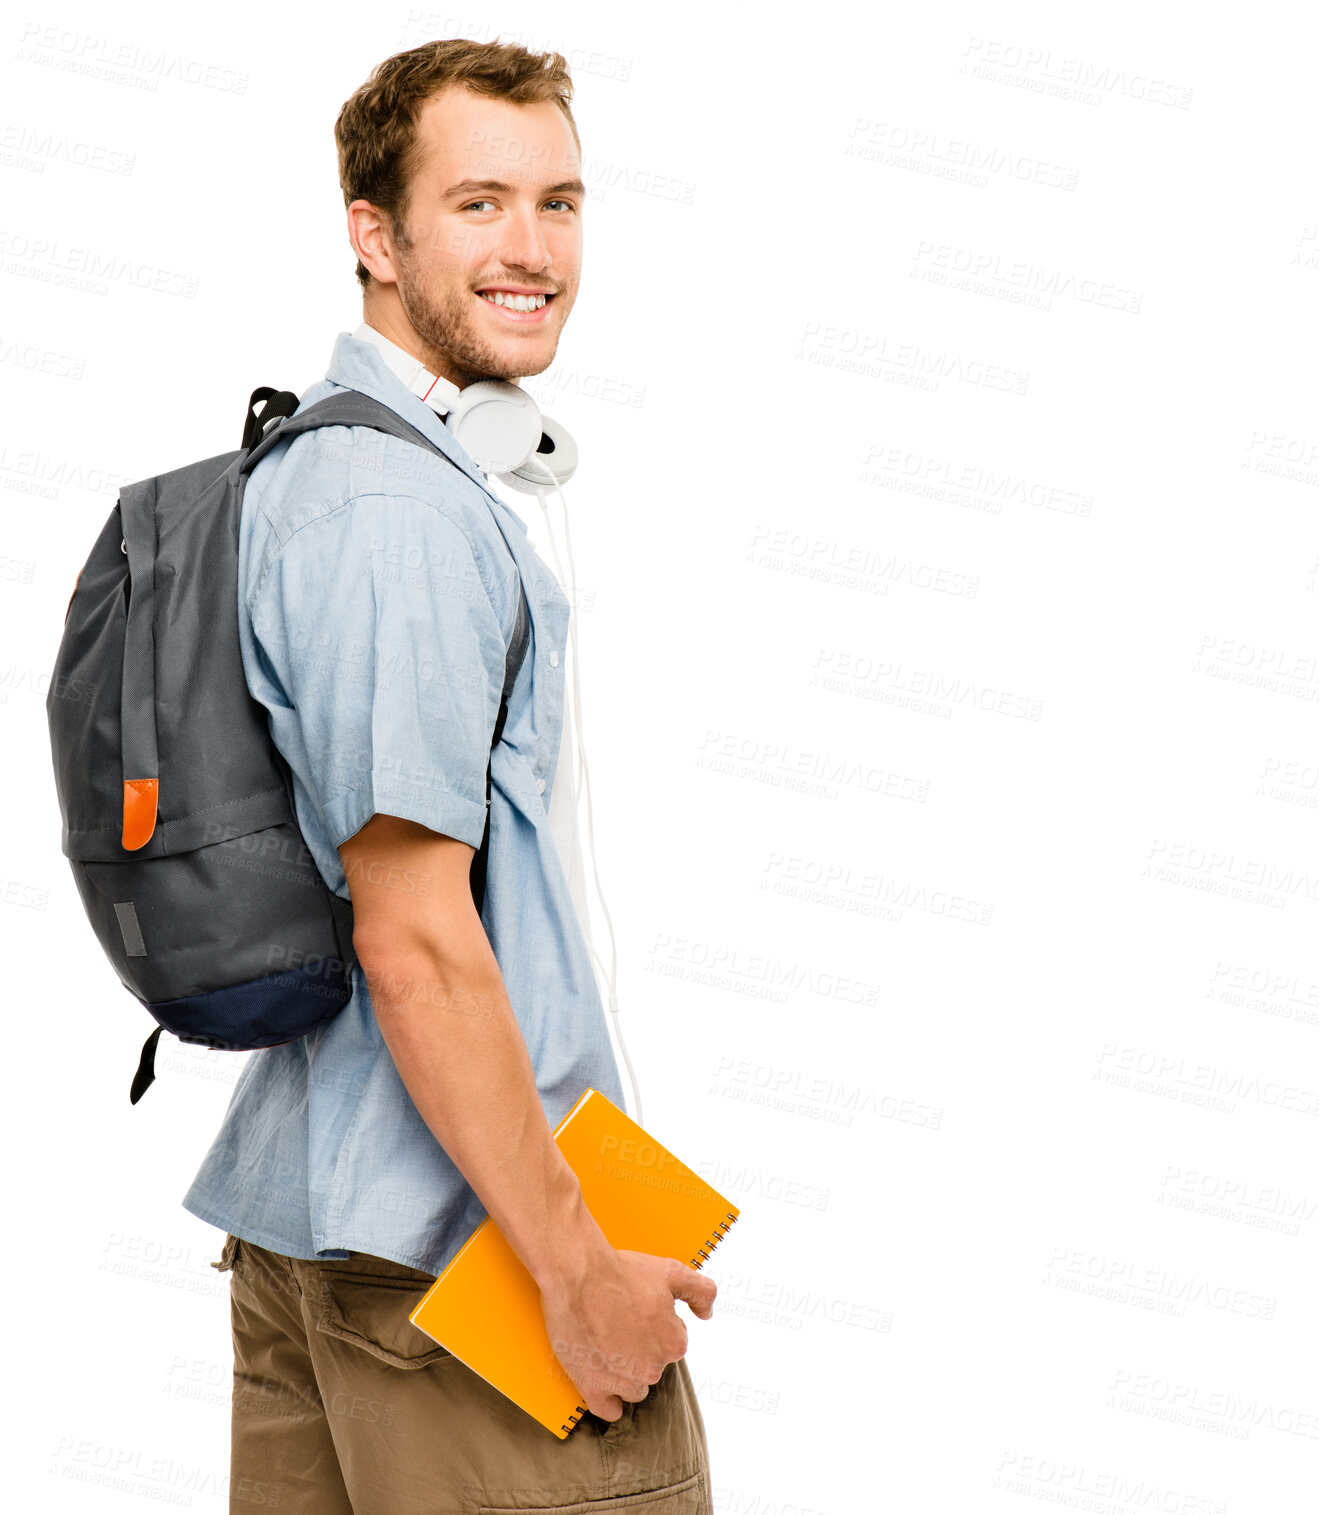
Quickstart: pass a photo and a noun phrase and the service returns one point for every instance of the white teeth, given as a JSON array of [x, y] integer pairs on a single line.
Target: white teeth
[[513, 302]]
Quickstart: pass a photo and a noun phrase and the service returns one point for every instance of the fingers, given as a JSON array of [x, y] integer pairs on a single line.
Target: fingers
[[605, 1392], [632, 1390], [651, 1375], [682, 1351]]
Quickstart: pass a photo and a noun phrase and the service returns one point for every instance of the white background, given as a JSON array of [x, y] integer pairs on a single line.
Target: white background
[[946, 545]]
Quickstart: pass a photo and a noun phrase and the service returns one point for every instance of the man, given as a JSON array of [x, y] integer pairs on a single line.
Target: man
[[377, 596]]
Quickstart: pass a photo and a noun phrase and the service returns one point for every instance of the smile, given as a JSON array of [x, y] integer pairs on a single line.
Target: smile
[[522, 308]]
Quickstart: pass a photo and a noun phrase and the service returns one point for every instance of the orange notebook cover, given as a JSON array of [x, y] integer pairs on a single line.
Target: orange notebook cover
[[485, 1306]]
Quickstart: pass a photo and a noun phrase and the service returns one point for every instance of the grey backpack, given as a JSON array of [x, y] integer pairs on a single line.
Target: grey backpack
[[177, 807]]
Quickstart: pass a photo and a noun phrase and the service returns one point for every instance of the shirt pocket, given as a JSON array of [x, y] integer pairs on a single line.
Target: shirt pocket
[[371, 1311]]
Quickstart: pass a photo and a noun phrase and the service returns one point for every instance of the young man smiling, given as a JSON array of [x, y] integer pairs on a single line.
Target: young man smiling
[[377, 595]]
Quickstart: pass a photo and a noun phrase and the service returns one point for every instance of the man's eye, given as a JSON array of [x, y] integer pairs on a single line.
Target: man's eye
[[471, 205]]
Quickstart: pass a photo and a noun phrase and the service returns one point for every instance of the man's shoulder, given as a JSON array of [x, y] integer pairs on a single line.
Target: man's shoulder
[[333, 465], [331, 470]]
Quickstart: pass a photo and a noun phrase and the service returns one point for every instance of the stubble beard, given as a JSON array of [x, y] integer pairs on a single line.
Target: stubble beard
[[446, 322]]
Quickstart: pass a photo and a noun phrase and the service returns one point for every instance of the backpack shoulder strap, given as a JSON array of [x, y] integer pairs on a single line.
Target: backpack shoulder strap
[[350, 408], [516, 652]]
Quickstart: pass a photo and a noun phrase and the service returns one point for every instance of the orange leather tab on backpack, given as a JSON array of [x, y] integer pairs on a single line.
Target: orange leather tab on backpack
[[139, 812]]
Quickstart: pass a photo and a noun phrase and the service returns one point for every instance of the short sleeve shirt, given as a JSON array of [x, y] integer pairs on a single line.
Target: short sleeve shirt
[[377, 594]]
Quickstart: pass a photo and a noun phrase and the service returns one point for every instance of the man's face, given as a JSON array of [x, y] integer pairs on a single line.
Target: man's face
[[496, 204]]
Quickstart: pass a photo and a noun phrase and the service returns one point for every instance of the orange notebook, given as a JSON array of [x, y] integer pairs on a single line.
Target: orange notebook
[[485, 1306]]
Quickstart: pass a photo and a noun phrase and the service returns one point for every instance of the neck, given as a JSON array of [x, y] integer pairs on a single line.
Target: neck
[[383, 311], [436, 390]]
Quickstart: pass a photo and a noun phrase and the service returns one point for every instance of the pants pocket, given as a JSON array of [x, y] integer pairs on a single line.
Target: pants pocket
[[228, 1255], [371, 1310], [685, 1498]]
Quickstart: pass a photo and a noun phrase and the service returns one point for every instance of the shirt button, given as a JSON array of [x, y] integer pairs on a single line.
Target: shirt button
[[540, 786], [554, 659]]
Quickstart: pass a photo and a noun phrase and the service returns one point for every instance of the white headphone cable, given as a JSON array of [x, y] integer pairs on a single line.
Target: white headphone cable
[[585, 778]]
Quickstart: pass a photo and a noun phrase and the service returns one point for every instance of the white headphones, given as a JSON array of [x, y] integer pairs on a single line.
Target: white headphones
[[498, 423]]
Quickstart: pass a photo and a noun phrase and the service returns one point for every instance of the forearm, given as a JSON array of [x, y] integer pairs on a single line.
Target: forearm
[[446, 1019]]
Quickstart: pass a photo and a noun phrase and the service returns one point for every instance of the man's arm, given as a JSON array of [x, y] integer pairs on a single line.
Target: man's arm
[[442, 1008]]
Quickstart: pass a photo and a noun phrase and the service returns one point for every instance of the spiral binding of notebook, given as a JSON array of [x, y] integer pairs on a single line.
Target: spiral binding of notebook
[[486, 1308], [720, 1231]]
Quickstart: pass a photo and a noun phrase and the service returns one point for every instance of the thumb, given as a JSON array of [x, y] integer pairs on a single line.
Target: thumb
[[695, 1288]]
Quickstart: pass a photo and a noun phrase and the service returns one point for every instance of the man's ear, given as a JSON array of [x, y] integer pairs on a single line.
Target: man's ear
[[369, 233]]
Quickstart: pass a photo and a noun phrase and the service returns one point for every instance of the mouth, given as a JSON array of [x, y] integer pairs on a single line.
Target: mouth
[[519, 307]]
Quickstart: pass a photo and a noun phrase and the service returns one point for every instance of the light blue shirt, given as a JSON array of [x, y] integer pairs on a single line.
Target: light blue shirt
[[376, 600]]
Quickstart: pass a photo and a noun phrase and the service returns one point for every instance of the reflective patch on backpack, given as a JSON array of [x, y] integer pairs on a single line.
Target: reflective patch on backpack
[[129, 929]]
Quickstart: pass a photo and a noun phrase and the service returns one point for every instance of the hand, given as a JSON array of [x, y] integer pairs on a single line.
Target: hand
[[613, 1325]]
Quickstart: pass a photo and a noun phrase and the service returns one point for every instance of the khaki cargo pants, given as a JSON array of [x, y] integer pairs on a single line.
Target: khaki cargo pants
[[342, 1407]]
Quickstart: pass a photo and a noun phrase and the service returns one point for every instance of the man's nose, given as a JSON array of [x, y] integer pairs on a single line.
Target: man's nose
[[526, 246]]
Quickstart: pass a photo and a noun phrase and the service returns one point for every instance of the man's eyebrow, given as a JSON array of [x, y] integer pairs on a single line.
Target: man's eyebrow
[[468, 186]]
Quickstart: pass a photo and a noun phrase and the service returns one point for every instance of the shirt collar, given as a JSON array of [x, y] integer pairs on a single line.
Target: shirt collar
[[358, 365]]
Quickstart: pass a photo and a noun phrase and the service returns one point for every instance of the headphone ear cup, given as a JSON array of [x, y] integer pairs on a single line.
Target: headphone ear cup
[[557, 452], [497, 423]]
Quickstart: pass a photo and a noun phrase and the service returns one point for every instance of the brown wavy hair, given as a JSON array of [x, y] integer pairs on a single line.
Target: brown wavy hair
[[376, 132]]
